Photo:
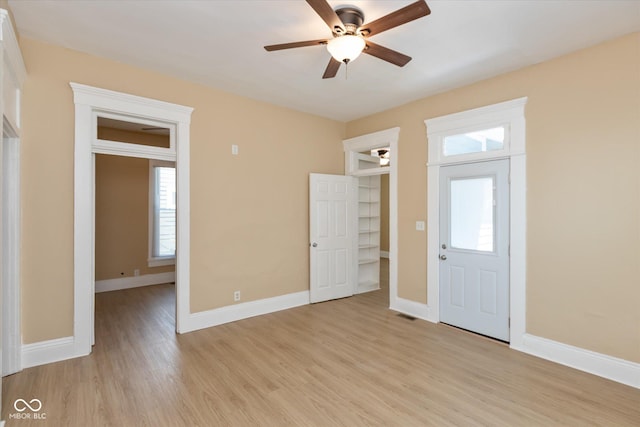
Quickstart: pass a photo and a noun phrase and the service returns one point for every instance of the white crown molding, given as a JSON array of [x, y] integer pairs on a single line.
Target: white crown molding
[[134, 281]]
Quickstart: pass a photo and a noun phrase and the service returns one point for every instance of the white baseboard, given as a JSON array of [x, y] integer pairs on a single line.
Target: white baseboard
[[412, 308], [613, 368], [384, 254], [365, 289], [134, 281], [232, 313], [43, 352]]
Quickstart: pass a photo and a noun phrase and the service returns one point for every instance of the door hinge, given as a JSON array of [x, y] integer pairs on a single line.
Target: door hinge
[[509, 321], [509, 250]]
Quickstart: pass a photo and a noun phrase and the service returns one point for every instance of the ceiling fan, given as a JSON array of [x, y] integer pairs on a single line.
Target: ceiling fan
[[350, 35]]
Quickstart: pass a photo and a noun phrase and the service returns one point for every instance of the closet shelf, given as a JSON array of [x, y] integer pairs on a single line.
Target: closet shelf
[[367, 246]]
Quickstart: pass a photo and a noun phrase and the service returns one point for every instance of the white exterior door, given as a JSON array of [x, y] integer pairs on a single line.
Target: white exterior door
[[333, 209], [474, 247]]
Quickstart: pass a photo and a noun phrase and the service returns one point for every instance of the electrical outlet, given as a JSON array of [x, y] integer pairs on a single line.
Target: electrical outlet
[[136, 272], [234, 149], [236, 296], [420, 225]]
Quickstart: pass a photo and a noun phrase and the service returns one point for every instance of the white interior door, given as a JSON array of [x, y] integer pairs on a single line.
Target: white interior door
[[333, 228], [474, 247]]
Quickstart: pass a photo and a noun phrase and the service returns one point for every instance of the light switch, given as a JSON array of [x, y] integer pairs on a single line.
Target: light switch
[[234, 149], [420, 225]]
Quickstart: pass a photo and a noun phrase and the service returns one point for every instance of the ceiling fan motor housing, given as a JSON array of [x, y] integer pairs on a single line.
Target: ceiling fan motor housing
[[351, 17]]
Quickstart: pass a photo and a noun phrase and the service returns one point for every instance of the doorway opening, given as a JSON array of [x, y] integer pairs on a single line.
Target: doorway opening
[[94, 103], [371, 159], [135, 213]]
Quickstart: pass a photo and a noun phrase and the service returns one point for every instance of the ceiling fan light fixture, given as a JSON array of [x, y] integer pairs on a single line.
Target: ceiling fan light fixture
[[346, 48]]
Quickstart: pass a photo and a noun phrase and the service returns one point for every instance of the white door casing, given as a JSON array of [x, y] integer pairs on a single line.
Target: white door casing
[[12, 78], [91, 102], [333, 236], [511, 115], [381, 139], [474, 247]]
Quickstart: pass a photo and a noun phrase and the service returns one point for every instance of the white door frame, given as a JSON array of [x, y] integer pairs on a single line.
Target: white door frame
[[13, 77], [381, 139], [511, 115], [11, 224], [89, 103]]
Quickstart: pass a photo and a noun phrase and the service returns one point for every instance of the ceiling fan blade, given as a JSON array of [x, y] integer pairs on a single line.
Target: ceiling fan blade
[[386, 54], [332, 69], [401, 16], [327, 14], [273, 47]]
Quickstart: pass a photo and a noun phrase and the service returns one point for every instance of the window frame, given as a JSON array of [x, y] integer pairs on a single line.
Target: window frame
[[152, 260]]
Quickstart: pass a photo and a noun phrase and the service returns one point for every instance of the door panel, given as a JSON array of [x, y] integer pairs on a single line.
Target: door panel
[[333, 236], [474, 247]]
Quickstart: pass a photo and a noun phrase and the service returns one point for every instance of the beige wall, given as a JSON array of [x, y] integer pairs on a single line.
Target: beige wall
[[384, 212], [249, 213], [583, 196], [122, 218]]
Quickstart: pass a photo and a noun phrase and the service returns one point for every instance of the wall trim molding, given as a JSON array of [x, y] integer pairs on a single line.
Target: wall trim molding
[[135, 281], [245, 310], [511, 115], [414, 309], [612, 368], [50, 351], [91, 102]]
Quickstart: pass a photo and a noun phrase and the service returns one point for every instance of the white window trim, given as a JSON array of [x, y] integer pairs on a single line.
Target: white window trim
[[156, 261], [511, 115]]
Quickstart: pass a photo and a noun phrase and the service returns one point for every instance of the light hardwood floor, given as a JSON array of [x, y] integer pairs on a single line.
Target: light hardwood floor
[[349, 362]]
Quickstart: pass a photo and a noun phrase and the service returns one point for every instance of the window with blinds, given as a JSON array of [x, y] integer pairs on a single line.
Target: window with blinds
[[163, 213]]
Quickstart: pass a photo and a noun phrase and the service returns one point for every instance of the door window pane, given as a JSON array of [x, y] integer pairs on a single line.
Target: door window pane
[[472, 215], [474, 142]]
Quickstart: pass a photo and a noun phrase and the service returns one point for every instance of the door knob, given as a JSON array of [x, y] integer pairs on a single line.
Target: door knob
[[443, 257], [314, 244]]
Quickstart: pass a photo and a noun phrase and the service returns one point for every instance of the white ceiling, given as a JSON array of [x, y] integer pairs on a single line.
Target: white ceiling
[[220, 44]]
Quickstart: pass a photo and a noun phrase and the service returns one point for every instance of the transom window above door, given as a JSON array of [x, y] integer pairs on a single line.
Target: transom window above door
[[479, 141]]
